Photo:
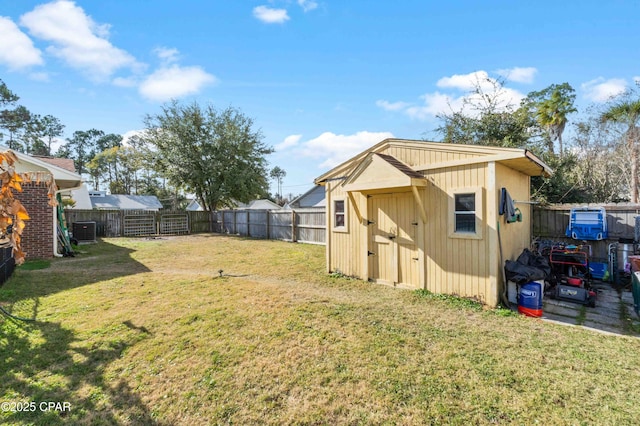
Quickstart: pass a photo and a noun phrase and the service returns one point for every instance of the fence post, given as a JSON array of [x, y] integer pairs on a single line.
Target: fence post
[[268, 222], [293, 226]]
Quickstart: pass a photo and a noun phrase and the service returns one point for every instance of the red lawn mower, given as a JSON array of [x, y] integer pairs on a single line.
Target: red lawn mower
[[570, 276]]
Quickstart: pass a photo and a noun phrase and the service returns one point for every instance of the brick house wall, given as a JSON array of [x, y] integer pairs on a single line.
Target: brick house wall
[[37, 237]]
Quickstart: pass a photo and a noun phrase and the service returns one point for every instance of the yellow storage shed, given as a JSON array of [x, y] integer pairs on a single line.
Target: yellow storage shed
[[425, 215]]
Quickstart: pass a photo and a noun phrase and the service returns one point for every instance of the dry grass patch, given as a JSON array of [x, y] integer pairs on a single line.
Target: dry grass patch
[[146, 332]]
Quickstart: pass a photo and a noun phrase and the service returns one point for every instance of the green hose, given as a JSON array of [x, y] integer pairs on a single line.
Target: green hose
[[4, 312]]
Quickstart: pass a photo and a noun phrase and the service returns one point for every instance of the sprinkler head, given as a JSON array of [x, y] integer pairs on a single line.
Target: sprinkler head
[[220, 271]]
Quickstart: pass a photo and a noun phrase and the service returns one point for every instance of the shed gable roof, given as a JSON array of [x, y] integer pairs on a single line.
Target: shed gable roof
[[378, 171], [519, 159]]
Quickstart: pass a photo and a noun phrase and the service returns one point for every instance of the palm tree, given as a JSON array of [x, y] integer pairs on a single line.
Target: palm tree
[[626, 111], [551, 112]]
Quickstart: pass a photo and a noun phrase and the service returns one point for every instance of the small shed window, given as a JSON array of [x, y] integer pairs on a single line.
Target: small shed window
[[466, 207], [339, 214], [465, 213]]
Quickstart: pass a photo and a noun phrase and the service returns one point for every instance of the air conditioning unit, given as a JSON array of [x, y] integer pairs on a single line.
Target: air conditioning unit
[[84, 232]]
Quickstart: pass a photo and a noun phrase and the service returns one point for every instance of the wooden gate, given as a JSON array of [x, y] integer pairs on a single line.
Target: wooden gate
[[174, 223], [139, 224]]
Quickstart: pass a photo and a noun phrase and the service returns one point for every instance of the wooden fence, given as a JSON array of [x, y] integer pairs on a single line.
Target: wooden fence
[[306, 226], [550, 223]]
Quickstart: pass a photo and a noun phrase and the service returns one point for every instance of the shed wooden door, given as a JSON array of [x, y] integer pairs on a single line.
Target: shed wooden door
[[393, 252]]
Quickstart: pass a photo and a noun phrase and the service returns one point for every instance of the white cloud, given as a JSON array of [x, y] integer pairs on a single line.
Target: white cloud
[[173, 82], [446, 101], [601, 90], [39, 76], [77, 39], [307, 5], [166, 54], [392, 106], [519, 74], [16, 49], [467, 82], [288, 142], [434, 104], [269, 15], [124, 82], [131, 134], [331, 149]]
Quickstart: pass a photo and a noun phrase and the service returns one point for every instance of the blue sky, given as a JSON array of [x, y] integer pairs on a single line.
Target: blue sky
[[323, 80]]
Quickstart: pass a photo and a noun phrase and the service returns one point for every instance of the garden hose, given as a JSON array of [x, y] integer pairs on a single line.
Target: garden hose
[[10, 315]]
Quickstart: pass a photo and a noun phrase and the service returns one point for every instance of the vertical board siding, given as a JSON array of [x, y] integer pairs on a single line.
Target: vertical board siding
[[455, 265]]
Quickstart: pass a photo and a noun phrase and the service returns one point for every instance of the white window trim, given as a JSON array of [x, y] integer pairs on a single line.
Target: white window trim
[[479, 201], [344, 228]]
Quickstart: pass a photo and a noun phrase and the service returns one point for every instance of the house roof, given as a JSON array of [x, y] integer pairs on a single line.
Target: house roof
[[81, 198], [522, 160], [65, 179], [194, 205], [126, 202], [259, 205], [63, 163], [315, 197]]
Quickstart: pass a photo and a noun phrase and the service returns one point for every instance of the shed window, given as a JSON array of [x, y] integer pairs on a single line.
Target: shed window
[[339, 214], [465, 213], [466, 217]]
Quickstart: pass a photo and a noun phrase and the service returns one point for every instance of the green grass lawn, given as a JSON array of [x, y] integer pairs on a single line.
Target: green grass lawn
[[135, 331]]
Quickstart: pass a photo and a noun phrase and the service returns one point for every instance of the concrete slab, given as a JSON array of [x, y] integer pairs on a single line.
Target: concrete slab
[[565, 311], [627, 297], [603, 327], [604, 318], [559, 318], [563, 303], [594, 317]]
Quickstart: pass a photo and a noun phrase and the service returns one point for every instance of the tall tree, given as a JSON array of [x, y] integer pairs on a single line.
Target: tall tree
[[6, 95], [625, 110], [216, 155], [278, 174], [53, 128], [15, 122], [550, 107], [82, 147]]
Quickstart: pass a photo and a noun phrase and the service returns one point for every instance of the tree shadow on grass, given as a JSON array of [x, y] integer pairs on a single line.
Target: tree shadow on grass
[[46, 362], [99, 262]]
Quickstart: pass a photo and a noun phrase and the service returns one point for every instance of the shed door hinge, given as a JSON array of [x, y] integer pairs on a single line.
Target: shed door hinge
[[370, 253]]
